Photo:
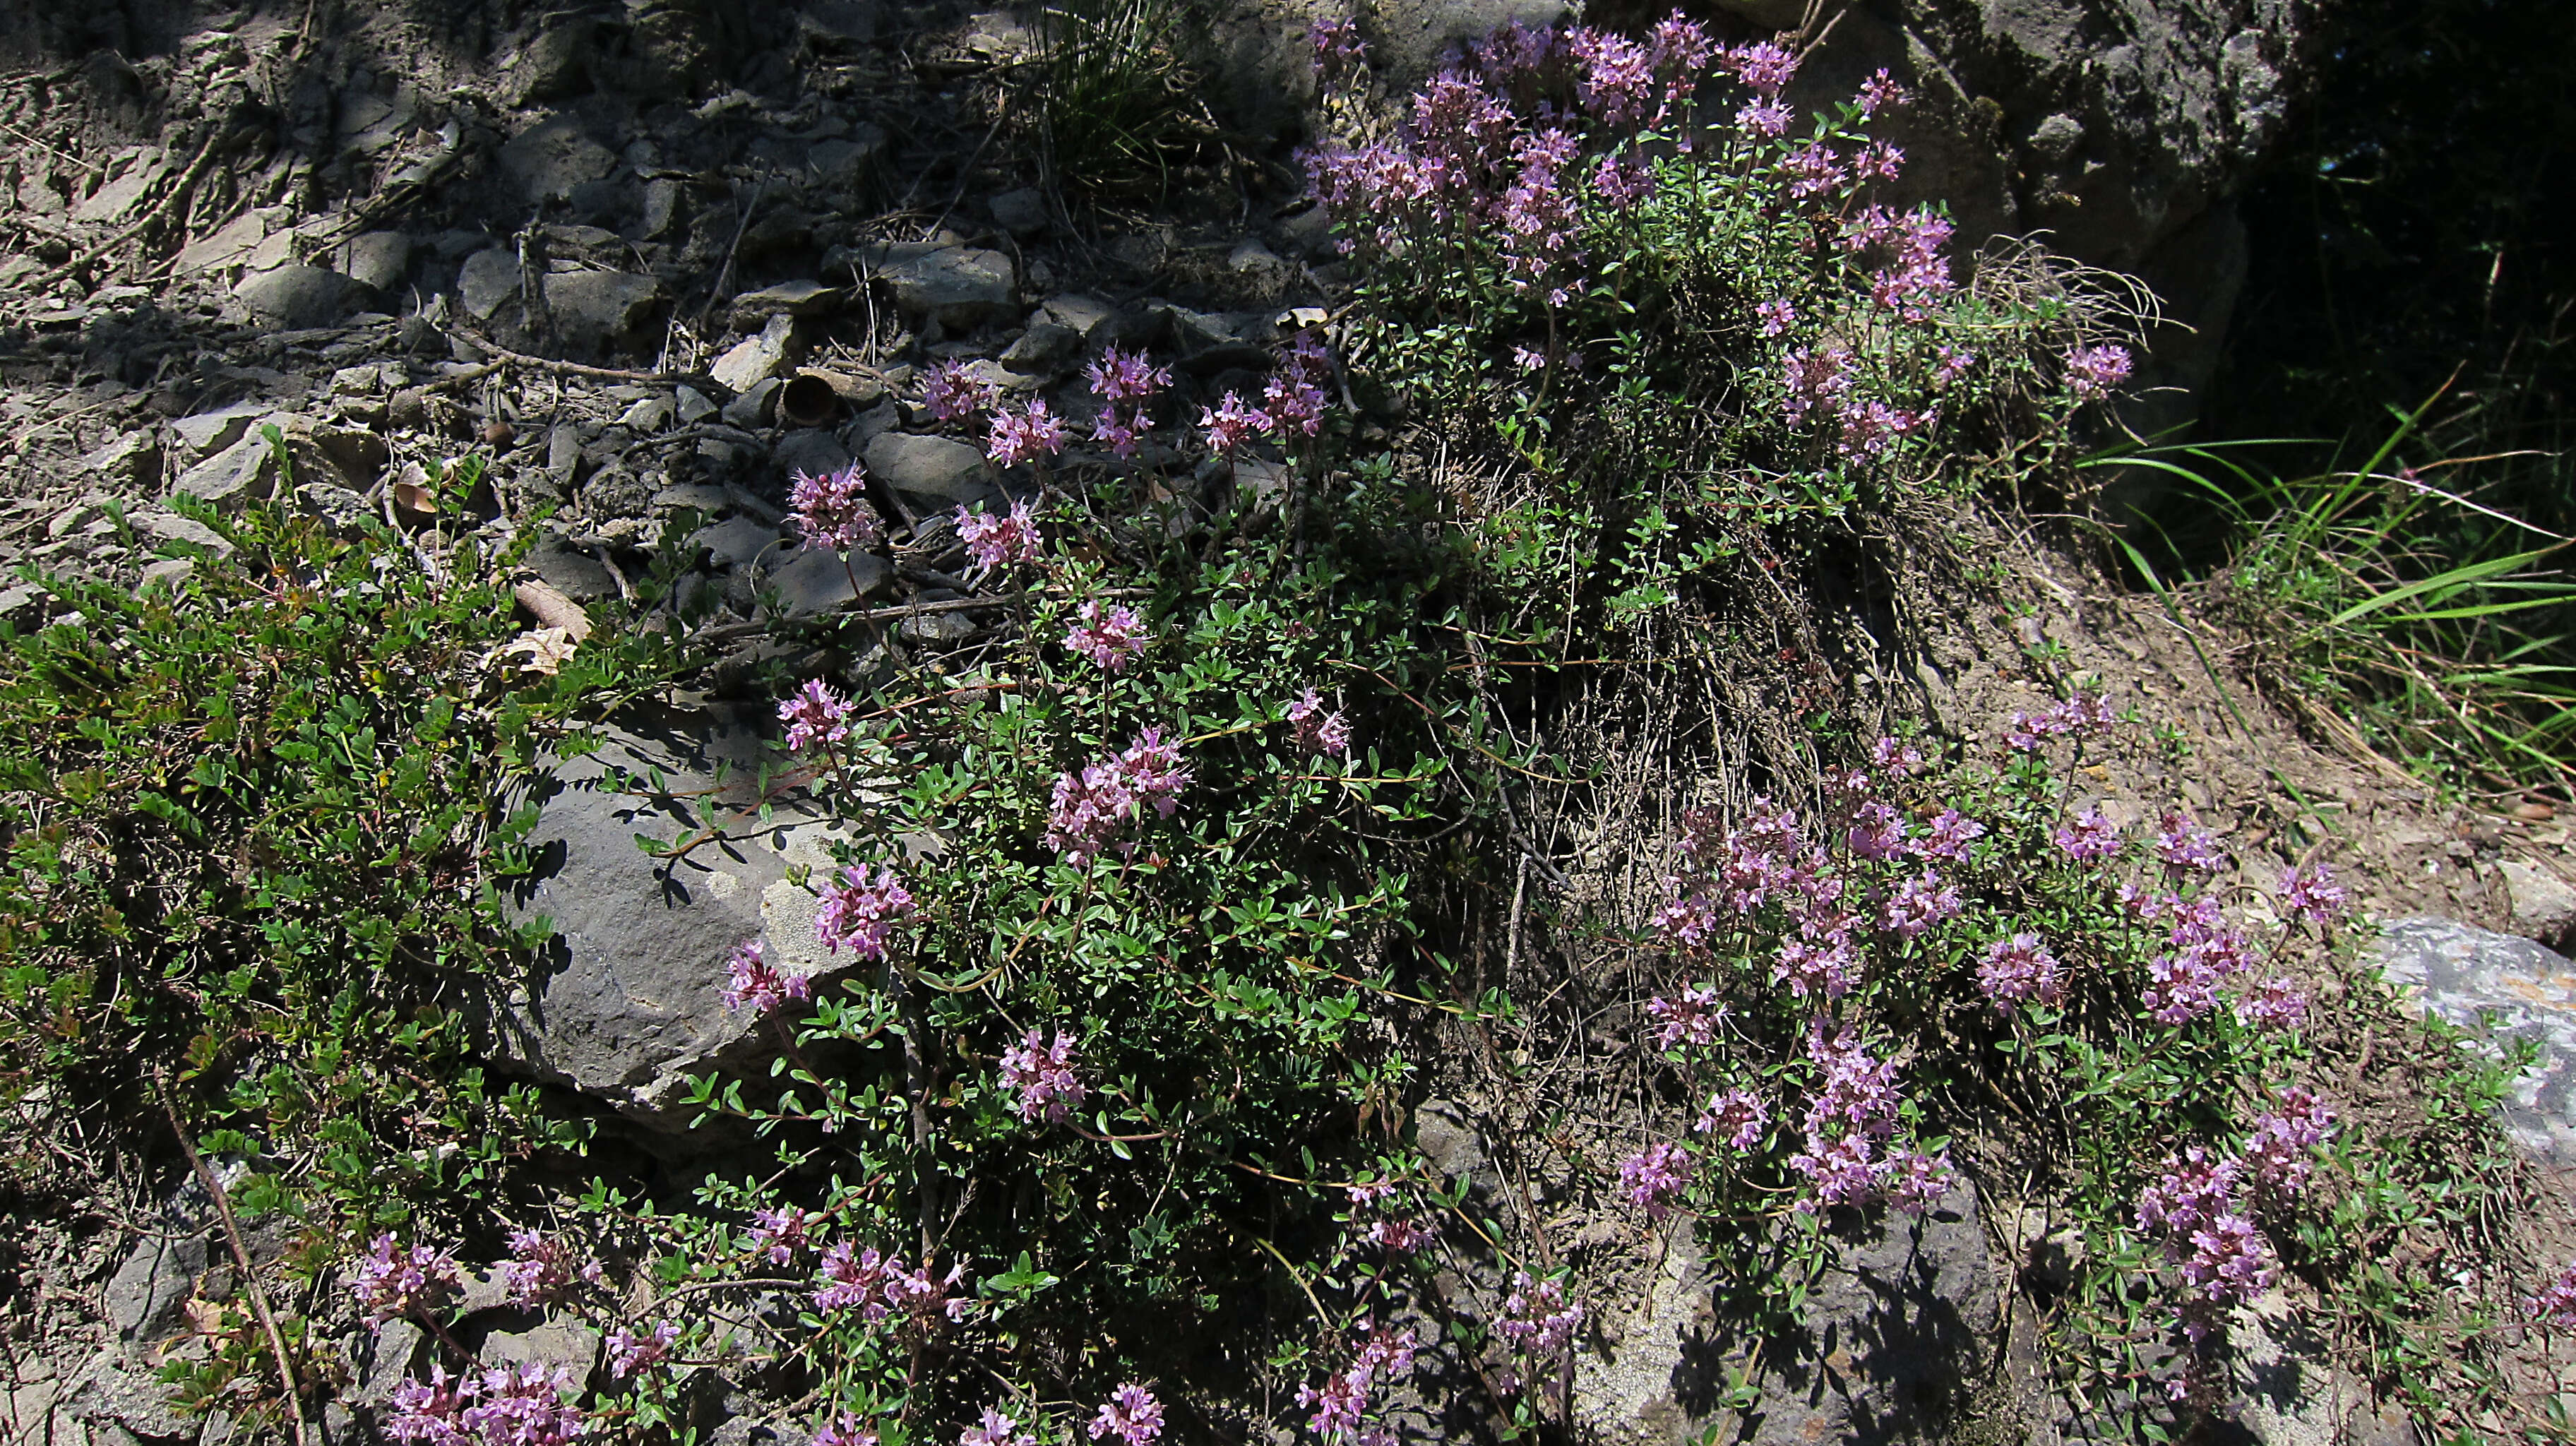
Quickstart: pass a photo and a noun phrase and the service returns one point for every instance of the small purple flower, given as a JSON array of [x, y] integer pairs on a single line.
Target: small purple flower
[[1044, 1075], [779, 1234], [2555, 1305], [1124, 376], [753, 983], [998, 540], [398, 1284], [844, 1429], [1736, 1116], [1880, 92], [1617, 81], [1763, 66], [1402, 1236], [1093, 806], [832, 510], [2020, 969], [1879, 159], [630, 1354], [1691, 1019], [1768, 119], [1914, 1181], [1337, 47], [2273, 1003], [2094, 371], [953, 392], [430, 1413], [1655, 1176], [1131, 1414], [1877, 831], [1813, 169], [861, 911], [814, 716], [1624, 183], [1319, 731], [1537, 1318], [1917, 904], [524, 1406], [1110, 636], [2182, 845], [2192, 1190], [542, 1269], [1775, 316], [2088, 837], [2310, 892], [2282, 1147], [1949, 836], [1229, 424], [997, 1429], [1025, 435]]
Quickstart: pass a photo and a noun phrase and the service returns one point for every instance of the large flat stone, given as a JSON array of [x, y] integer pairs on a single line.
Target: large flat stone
[[2498, 986], [936, 468], [958, 287], [550, 159]]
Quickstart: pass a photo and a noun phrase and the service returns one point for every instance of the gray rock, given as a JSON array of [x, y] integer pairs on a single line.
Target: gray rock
[[1889, 1335], [108, 1395], [1083, 314], [489, 278], [837, 24], [812, 451], [651, 414], [294, 298], [1023, 212], [240, 473], [549, 159], [383, 1357], [816, 580], [577, 575], [2544, 903], [554, 1344], [127, 461], [849, 160], [171, 527], [376, 260], [341, 510], [1261, 266], [2288, 1391], [1042, 349], [937, 468], [1448, 1138], [563, 455], [753, 309], [629, 1005], [709, 500], [144, 1295], [957, 287], [602, 308], [735, 541], [556, 64], [2467, 977], [213, 431], [693, 404], [166, 574], [757, 359]]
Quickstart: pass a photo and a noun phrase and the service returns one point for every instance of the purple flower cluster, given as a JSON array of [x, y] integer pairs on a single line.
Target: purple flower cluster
[[1319, 731], [1229, 424], [1824, 381], [1043, 1074], [1737, 1116], [2310, 892], [1397, 1235], [1879, 93], [997, 1429], [1025, 435], [1537, 1318], [1338, 49], [753, 983], [845, 1429], [2206, 956], [1093, 806], [1917, 904], [1342, 1404], [2273, 1003], [1292, 401], [1912, 271], [631, 1354], [954, 391], [2088, 837], [880, 1288], [2185, 846], [1655, 1176], [2282, 1148], [1131, 1414], [779, 1234], [815, 715], [861, 911], [542, 1269], [2019, 970], [398, 1284], [2095, 371], [1110, 635], [999, 539], [1691, 1019], [1125, 382], [2198, 1207], [508, 1406], [831, 509], [2075, 716], [2555, 1305], [1949, 836]]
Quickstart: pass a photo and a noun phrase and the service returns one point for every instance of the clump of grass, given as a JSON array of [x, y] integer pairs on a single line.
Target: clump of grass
[[1118, 103], [2403, 615]]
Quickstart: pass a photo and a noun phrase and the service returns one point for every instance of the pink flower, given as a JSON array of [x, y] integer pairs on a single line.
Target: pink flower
[[997, 1429], [541, 1269], [1025, 435], [2183, 845], [954, 391], [1317, 730], [1768, 119], [1917, 904], [994, 541], [1949, 836], [2310, 892], [1537, 1318], [1692, 1019], [1655, 1176], [1914, 1181], [2284, 1141], [429, 1413], [629, 1353], [861, 911], [2088, 837], [2093, 371], [1111, 637], [525, 1406], [1737, 1116], [1879, 92], [1121, 376], [845, 1430], [1131, 1414], [2020, 969], [779, 1234], [1764, 67], [753, 983], [2273, 1004], [394, 1284], [1092, 807], [1776, 316], [1337, 47], [1230, 424], [2555, 1305], [814, 716], [832, 510], [1044, 1075], [1623, 183]]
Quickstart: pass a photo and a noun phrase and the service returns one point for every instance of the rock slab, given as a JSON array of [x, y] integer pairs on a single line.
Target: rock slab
[[2498, 987]]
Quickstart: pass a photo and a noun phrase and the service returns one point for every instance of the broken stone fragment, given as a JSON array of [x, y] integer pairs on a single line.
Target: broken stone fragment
[[943, 472], [958, 287], [757, 359], [488, 279], [294, 298], [602, 308]]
